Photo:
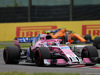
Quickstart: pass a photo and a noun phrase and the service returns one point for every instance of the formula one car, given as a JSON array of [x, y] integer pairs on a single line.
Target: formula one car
[[48, 51], [69, 36]]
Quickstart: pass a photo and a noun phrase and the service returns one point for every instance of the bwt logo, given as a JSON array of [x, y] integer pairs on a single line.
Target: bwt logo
[[32, 31], [93, 30]]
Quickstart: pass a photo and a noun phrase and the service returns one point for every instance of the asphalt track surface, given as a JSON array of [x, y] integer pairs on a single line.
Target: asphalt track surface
[[32, 68]]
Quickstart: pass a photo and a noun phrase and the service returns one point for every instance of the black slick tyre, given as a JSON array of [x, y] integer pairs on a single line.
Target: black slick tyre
[[61, 39], [41, 53], [89, 52], [96, 42], [88, 38], [11, 55], [65, 39]]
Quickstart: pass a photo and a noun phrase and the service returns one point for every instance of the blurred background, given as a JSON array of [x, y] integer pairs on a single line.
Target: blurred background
[[48, 10]]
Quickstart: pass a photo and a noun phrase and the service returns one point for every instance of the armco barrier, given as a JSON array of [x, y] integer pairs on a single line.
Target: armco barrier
[[8, 31]]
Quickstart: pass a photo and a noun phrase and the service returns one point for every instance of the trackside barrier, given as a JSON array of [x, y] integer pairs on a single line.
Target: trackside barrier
[[8, 31]]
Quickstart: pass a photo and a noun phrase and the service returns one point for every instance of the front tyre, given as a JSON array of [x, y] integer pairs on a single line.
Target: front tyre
[[91, 53], [11, 55], [41, 53]]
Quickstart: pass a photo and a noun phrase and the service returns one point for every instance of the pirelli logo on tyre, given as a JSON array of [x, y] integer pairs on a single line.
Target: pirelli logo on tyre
[[32, 31], [93, 30]]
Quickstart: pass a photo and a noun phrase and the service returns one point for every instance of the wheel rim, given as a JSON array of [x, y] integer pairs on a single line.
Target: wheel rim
[[85, 54], [37, 57], [5, 55]]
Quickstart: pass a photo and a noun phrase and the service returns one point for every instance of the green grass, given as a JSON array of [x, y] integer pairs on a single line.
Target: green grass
[[23, 73], [23, 45], [44, 73]]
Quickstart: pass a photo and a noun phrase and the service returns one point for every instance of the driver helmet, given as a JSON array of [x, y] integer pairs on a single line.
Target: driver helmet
[[41, 38]]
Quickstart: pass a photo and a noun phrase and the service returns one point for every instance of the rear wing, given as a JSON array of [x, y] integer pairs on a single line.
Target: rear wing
[[27, 39]]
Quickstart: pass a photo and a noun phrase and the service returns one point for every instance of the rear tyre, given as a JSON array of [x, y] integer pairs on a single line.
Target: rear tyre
[[65, 39], [96, 42], [61, 39], [88, 38], [41, 53], [11, 55], [91, 53]]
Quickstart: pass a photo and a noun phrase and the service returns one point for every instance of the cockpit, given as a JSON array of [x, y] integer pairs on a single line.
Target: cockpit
[[50, 44], [41, 38], [48, 37], [45, 37]]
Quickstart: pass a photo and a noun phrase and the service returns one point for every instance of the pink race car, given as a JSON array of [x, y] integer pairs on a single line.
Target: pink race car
[[48, 51]]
